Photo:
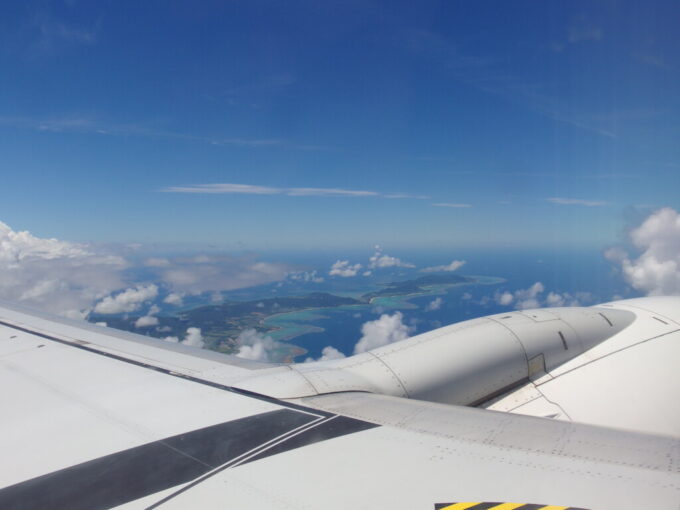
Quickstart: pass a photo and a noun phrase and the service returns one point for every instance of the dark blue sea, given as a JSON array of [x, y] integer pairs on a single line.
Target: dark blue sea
[[584, 274]]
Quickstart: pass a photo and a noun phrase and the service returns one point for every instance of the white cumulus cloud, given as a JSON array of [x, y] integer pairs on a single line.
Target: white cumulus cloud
[[174, 298], [385, 330], [453, 266], [344, 268], [435, 304], [327, 353], [157, 262], [522, 298], [127, 301], [54, 275], [194, 338], [255, 346], [305, 276], [214, 273], [381, 260], [656, 271], [146, 321], [505, 299], [532, 297]]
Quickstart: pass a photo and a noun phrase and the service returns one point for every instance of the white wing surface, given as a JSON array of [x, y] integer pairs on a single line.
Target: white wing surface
[[94, 418]]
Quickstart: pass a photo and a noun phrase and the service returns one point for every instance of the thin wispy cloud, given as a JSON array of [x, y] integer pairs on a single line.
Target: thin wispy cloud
[[224, 188], [249, 189], [652, 60], [86, 125], [453, 205], [315, 192], [580, 33], [576, 201], [47, 34], [577, 34], [487, 75]]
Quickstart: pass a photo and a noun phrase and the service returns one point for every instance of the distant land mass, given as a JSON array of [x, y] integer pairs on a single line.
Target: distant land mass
[[221, 323], [416, 286]]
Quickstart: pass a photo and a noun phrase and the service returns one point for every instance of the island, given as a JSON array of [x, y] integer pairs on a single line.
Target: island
[[417, 286], [222, 323]]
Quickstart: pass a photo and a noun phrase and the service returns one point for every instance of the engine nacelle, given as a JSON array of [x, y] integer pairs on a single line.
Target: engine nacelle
[[466, 363]]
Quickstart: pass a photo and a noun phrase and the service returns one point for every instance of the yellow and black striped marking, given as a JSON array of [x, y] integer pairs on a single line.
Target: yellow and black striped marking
[[500, 506]]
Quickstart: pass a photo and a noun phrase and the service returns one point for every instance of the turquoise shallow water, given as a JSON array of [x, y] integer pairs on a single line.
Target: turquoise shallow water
[[341, 326], [559, 270]]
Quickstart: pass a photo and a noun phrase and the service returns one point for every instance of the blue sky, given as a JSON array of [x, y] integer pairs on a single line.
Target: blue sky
[[538, 124]]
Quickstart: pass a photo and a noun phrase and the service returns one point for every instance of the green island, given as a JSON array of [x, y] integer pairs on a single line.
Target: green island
[[417, 286], [221, 323]]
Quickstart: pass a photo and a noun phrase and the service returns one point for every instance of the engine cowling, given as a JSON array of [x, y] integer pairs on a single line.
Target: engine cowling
[[466, 363]]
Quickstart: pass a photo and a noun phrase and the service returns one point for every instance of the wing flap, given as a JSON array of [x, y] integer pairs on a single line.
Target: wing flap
[[424, 454]]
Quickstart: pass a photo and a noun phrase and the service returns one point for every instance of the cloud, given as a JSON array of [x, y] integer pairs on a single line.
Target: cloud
[[554, 299], [245, 189], [127, 301], [87, 125], [72, 279], [382, 260], [306, 276], [454, 265], [653, 60], [344, 268], [255, 346], [249, 189], [529, 298], [213, 273], [532, 297], [45, 34], [615, 254], [657, 269], [385, 330], [194, 338], [496, 78], [405, 195], [580, 33], [433, 305], [505, 298], [320, 192], [56, 276], [523, 298], [575, 201], [174, 298], [454, 205], [146, 321], [157, 262], [327, 353]]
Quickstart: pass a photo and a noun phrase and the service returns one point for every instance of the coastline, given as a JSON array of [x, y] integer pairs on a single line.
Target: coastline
[[285, 327]]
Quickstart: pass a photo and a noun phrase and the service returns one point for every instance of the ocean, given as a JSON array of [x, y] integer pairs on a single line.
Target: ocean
[[583, 275]]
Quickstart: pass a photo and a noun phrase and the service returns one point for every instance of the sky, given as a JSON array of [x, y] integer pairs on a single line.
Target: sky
[[265, 126]]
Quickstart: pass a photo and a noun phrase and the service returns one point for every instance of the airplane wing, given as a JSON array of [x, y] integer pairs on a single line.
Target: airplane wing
[[94, 418]]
